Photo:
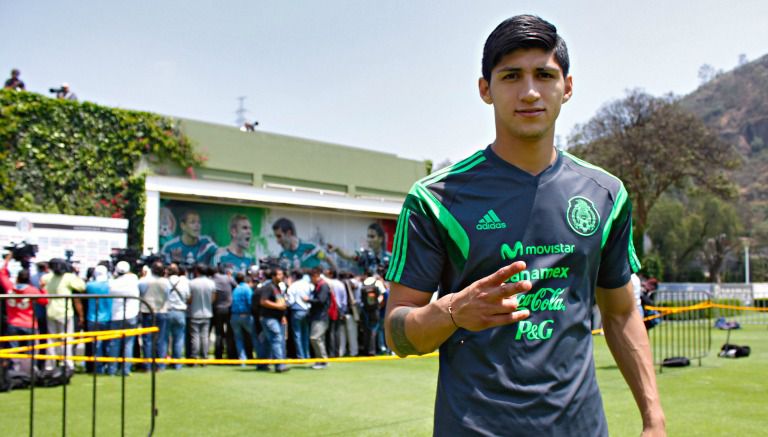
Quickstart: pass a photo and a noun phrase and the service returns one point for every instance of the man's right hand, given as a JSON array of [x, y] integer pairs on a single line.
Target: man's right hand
[[490, 301]]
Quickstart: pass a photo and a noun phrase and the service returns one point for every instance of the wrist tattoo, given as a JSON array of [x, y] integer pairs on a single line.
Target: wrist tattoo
[[397, 332]]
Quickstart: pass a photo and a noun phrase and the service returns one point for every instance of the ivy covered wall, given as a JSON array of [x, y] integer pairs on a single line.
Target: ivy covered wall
[[64, 157]]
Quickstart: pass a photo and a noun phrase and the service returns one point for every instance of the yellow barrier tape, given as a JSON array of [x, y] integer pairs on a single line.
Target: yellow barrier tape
[[128, 332], [114, 334], [212, 361]]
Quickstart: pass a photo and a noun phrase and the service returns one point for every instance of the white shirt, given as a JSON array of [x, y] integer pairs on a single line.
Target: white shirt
[[125, 285]]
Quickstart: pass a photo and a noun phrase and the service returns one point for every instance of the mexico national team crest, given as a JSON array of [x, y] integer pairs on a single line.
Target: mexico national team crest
[[582, 216]]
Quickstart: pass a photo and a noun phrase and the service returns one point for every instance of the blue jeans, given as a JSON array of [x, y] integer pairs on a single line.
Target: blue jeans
[[273, 330], [161, 321], [177, 323], [101, 347], [242, 326], [121, 346], [300, 326]]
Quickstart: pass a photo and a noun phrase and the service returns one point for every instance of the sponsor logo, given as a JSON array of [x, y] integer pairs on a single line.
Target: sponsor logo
[[518, 249], [582, 216], [490, 221], [533, 331]]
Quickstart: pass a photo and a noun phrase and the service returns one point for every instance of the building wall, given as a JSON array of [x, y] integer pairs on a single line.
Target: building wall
[[266, 159]]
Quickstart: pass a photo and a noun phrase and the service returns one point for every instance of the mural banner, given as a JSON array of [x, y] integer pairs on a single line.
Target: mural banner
[[238, 237]]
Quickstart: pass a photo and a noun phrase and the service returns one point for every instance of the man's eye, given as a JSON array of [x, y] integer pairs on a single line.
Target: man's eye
[[545, 75], [511, 76]]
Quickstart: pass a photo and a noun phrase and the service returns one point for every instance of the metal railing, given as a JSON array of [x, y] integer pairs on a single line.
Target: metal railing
[[32, 356], [685, 329]]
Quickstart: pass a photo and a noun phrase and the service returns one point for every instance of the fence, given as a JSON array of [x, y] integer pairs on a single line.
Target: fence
[[30, 353], [685, 329]]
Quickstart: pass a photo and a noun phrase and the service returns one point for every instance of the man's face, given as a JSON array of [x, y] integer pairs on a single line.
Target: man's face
[[191, 226], [374, 241], [241, 234], [527, 88], [283, 238], [278, 276]]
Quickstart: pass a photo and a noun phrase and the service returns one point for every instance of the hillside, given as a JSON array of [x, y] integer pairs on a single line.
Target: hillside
[[736, 105]]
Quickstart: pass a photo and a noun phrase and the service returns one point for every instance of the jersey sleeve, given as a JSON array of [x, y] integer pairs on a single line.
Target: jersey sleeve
[[618, 258], [418, 254]]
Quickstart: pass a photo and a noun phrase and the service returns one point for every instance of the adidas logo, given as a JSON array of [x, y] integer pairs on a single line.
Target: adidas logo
[[490, 221]]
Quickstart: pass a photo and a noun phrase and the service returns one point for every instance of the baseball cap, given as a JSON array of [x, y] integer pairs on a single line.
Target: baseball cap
[[122, 267]]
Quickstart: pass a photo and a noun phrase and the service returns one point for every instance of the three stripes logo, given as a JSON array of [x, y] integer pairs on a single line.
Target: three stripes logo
[[490, 221]]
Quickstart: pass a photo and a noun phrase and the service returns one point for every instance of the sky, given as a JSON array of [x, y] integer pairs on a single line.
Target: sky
[[397, 76]]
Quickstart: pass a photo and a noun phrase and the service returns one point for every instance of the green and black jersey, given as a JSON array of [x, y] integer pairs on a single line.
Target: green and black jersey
[[571, 224]]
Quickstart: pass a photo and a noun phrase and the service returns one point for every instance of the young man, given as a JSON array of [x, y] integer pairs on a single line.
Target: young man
[[235, 256], [299, 254], [520, 240], [190, 247]]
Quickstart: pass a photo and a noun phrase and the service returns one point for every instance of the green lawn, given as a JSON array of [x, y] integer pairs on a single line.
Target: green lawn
[[723, 397]]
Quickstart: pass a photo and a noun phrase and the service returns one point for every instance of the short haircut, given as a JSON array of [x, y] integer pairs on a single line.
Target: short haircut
[[523, 32], [158, 269], [201, 269], [284, 225], [22, 277], [239, 277], [316, 271], [235, 219], [186, 213], [173, 270]]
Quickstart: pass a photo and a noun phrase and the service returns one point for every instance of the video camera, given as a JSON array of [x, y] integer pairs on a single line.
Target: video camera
[[57, 91], [370, 263], [22, 252]]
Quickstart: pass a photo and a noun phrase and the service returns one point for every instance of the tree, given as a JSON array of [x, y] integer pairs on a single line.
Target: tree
[[653, 145], [693, 232]]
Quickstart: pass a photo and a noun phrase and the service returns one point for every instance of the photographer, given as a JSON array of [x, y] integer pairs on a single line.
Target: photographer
[[21, 320], [60, 311], [63, 92]]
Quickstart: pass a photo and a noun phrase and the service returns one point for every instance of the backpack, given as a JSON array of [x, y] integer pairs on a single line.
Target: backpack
[[370, 298], [333, 308], [734, 351]]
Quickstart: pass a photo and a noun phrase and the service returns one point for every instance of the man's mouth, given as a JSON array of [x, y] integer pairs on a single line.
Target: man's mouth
[[530, 112]]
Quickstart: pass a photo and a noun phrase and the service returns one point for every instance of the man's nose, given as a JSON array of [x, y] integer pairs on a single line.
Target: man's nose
[[530, 92]]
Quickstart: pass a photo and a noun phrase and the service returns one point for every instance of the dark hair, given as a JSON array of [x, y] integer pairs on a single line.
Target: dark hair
[[239, 277], [58, 266], [377, 228], [186, 213], [297, 274], [158, 269], [210, 271], [201, 269], [316, 271], [173, 269], [284, 225], [23, 276], [523, 32]]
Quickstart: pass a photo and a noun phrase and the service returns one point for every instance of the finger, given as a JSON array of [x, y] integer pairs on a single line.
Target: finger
[[510, 289], [508, 318], [502, 274]]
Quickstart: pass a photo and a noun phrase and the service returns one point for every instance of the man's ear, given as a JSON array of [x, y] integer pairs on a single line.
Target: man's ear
[[568, 92], [485, 90]]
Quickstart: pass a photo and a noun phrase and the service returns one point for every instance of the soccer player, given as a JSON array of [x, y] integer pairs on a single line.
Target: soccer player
[[299, 254], [519, 240], [235, 255], [190, 247]]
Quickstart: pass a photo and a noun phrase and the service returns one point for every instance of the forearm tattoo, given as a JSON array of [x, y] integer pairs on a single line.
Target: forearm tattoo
[[397, 332]]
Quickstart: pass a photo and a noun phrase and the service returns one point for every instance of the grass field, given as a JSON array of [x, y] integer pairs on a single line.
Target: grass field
[[724, 397]]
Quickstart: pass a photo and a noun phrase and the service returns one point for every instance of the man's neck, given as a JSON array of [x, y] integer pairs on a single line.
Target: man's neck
[[531, 156], [235, 250], [189, 240]]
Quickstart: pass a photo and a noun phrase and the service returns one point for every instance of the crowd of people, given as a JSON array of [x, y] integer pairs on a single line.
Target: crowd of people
[[265, 312]]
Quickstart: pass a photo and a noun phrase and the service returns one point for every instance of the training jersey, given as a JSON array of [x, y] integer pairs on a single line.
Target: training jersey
[[231, 261], [306, 256], [571, 224], [201, 252]]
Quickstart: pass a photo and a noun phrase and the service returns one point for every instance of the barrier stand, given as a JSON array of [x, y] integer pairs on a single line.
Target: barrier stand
[[83, 337]]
